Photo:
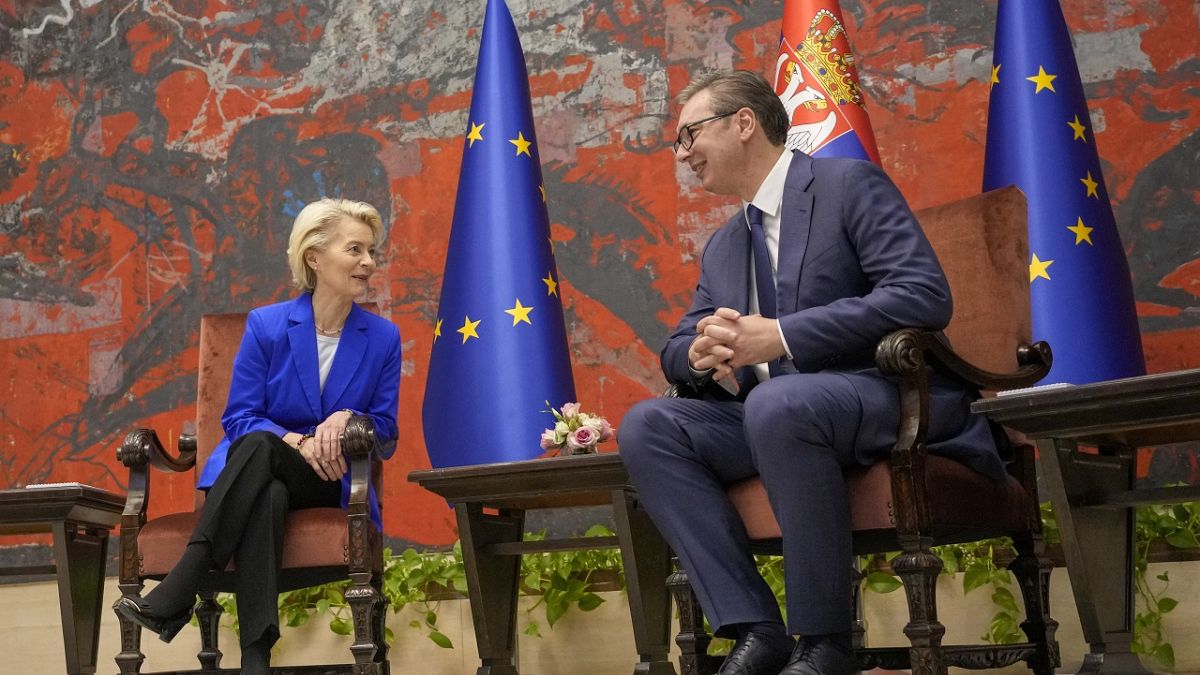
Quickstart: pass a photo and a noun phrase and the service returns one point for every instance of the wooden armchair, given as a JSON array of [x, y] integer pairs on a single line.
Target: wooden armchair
[[320, 545], [915, 500]]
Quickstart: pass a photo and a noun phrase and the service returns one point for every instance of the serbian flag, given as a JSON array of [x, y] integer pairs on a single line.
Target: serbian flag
[[816, 79]]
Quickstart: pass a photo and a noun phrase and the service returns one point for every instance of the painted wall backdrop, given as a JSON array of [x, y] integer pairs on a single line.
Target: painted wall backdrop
[[154, 152]]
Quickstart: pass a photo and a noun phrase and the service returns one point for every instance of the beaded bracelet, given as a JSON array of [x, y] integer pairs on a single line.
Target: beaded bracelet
[[303, 438]]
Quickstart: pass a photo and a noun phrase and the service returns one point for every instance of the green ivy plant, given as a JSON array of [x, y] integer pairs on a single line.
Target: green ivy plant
[[568, 579], [1177, 525], [562, 579]]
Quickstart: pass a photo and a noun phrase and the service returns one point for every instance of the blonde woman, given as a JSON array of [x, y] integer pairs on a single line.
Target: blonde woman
[[303, 368]]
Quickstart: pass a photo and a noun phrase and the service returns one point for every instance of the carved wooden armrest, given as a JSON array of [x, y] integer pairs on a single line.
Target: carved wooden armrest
[[141, 451], [906, 350], [358, 441]]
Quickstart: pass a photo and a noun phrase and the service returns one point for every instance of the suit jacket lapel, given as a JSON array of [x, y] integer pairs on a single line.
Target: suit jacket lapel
[[351, 347], [302, 336], [794, 225]]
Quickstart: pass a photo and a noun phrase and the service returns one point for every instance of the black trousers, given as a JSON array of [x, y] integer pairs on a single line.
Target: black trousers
[[243, 520]]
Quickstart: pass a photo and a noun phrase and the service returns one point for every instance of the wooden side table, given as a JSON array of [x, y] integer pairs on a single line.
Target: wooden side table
[[1094, 494], [490, 502], [79, 517]]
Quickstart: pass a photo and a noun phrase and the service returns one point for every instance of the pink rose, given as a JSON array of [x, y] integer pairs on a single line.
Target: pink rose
[[583, 437], [570, 410], [607, 433], [548, 441], [600, 425]]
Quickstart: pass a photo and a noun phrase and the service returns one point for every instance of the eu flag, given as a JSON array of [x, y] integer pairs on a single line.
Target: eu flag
[[500, 345], [817, 81], [1040, 138]]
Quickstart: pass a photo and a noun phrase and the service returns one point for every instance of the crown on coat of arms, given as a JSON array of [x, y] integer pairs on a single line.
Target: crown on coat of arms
[[834, 69]]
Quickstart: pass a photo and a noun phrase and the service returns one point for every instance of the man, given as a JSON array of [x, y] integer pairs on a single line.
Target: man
[[795, 291]]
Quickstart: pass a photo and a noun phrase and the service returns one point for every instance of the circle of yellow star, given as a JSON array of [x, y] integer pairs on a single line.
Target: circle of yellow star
[[468, 329], [1078, 127], [520, 313], [551, 284], [437, 330], [1043, 80], [1091, 185], [542, 189], [522, 144], [1037, 268], [996, 74], [1082, 232], [476, 134]]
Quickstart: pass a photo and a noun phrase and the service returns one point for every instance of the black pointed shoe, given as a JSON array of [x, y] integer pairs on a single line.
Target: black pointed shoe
[[134, 609], [757, 654], [820, 657]]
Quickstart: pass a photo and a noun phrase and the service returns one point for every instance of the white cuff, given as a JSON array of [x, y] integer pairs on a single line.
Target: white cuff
[[786, 350]]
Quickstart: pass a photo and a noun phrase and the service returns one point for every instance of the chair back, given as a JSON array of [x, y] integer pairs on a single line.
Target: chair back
[[220, 337], [982, 244]]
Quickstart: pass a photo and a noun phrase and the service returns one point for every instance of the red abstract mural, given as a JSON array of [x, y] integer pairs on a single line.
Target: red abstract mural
[[154, 152]]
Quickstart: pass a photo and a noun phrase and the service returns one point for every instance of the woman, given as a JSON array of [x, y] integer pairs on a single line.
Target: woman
[[303, 368]]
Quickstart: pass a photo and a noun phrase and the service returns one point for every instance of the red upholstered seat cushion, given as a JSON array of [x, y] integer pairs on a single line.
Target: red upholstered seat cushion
[[314, 538], [959, 499]]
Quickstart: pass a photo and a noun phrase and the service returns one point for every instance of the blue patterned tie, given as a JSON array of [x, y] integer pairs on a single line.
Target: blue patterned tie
[[764, 278]]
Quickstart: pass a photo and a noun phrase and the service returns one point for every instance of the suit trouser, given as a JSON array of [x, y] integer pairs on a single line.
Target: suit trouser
[[243, 520], [797, 432]]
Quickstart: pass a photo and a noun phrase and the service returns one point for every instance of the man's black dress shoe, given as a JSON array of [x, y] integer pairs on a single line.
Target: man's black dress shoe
[[135, 610], [820, 657], [757, 654]]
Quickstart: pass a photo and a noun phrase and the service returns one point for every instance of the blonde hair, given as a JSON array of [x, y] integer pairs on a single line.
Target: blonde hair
[[313, 228]]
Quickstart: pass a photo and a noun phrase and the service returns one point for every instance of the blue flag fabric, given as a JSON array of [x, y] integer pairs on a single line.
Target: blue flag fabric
[[1040, 138], [500, 345]]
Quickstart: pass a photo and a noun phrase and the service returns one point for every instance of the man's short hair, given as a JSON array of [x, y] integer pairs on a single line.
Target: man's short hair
[[732, 90]]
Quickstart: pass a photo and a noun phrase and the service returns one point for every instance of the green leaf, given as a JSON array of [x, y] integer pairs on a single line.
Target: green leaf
[[533, 629], [1165, 654], [974, 578], [1004, 599], [1183, 539], [1163, 577], [440, 640], [882, 582], [554, 612], [590, 601], [1166, 604], [340, 626]]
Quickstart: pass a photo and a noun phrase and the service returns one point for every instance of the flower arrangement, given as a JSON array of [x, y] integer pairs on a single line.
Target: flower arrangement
[[575, 432]]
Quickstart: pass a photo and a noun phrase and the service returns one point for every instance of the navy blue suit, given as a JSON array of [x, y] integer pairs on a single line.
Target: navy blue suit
[[853, 265]]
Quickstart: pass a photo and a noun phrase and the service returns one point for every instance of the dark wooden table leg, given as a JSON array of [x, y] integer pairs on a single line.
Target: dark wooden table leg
[[1098, 546], [492, 582], [647, 562], [79, 556]]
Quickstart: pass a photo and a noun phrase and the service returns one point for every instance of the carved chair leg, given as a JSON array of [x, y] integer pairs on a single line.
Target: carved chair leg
[[380, 627], [365, 604], [1032, 569], [858, 631], [130, 659], [918, 568], [208, 612], [693, 639]]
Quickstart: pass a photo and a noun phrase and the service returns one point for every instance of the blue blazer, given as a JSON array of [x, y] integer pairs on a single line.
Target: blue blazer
[[276, 382], [853, 266]]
